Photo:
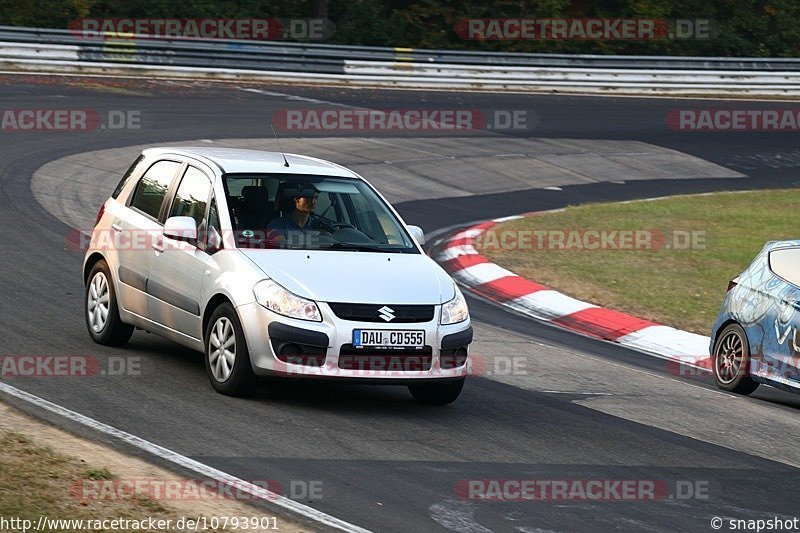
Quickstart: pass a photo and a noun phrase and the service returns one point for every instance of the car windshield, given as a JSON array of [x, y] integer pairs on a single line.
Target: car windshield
[[309, 212]]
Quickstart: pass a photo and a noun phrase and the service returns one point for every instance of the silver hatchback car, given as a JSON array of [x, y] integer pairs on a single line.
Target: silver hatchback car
[[274, 265]]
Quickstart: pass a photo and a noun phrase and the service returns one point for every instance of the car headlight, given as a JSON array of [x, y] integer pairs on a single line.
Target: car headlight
[[455, 310], [276, 298]]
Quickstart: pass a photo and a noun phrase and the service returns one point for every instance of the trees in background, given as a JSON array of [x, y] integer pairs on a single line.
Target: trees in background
[[759, 28]]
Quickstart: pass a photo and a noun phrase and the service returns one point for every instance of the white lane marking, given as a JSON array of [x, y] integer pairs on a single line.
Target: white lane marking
[[506, 219], [298, 98], [581, 393], [456, 516], [185, 462]]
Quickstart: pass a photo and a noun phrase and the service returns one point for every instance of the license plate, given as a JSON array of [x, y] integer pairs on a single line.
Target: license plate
[[388, 338]]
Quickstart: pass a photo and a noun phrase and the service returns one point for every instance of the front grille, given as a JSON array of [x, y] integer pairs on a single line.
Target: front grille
[[403, 314], [385, 360]]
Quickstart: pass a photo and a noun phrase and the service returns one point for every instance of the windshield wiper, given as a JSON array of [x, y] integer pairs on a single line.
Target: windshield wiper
[[362, 248]]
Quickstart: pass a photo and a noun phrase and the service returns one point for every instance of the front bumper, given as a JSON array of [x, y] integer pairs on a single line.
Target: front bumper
[[269, 334]]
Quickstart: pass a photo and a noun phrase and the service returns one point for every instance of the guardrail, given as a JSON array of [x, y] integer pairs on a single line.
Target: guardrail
[[48, 50]]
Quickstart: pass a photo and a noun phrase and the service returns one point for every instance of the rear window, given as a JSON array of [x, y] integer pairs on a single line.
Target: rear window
[[152, 188], [786, 264]]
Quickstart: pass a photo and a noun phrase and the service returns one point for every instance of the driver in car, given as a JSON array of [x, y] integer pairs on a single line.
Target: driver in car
[[294, 227]]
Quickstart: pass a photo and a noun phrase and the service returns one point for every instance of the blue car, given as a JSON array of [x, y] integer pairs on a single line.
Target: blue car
[[755, 337]]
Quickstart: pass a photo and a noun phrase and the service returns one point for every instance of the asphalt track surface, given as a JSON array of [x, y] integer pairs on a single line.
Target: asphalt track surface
[[386, 463]]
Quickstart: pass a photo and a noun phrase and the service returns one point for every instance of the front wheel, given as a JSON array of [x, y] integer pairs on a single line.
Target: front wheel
[[227, 358], [437, 393], [732, 361], [102, 311]]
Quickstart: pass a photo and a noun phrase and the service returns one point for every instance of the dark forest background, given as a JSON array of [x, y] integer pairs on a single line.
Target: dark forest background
[[744, 27]]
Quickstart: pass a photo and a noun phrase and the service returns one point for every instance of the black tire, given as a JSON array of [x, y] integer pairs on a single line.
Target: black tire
[[241, 380], [731, 361], [113, 332], [437, 393]]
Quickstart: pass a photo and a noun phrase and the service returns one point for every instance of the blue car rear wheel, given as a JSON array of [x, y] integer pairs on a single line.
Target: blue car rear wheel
[[732, 361]]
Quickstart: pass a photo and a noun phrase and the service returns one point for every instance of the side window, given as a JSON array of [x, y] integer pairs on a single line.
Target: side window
[[786, 264], [152, 188], [126, 177], [192, 196], [213, 233], [213, 216]]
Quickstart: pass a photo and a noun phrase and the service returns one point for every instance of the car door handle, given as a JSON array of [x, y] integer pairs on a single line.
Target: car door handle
[[116, 227], [158, 246]]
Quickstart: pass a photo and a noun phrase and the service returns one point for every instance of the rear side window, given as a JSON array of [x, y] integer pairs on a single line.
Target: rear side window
[[152, 188], [192, 196], [786, 264], [126, 177]]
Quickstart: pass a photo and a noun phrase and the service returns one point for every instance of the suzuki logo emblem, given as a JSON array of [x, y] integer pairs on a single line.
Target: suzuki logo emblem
[[386, 313]]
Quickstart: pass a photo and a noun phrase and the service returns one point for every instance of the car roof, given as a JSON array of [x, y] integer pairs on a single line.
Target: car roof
[[239, 160]]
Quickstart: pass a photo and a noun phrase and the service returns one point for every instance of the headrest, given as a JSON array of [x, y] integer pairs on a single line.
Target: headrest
[[255, 198]]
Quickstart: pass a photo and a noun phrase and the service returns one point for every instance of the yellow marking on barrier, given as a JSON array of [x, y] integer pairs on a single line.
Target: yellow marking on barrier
[[399, 54], [121, 50], [118, 35], [403, 54]]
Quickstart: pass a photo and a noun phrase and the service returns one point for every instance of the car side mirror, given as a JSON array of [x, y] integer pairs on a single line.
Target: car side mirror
[[418, 234], [181, 229]]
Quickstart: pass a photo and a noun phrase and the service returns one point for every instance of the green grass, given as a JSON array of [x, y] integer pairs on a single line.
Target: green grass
[[35, 481], [680, 288], [99, 473]]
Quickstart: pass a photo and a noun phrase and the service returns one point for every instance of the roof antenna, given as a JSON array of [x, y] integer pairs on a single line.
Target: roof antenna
[[285, 162]]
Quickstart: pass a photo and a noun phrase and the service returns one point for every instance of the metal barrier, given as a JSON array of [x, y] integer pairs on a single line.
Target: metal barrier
[[48, 50]]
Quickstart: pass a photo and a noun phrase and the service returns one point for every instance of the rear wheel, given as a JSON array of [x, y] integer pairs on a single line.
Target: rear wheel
[[102, 311], [437, 393], [732, 361], [227, 358]]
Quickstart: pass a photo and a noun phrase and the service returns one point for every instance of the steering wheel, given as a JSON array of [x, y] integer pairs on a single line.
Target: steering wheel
[[341, 225]]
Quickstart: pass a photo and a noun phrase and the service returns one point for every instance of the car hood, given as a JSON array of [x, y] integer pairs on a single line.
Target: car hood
[[356, 277]]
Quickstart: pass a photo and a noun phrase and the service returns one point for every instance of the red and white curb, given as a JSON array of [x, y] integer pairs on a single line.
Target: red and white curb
[[459, 257]]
